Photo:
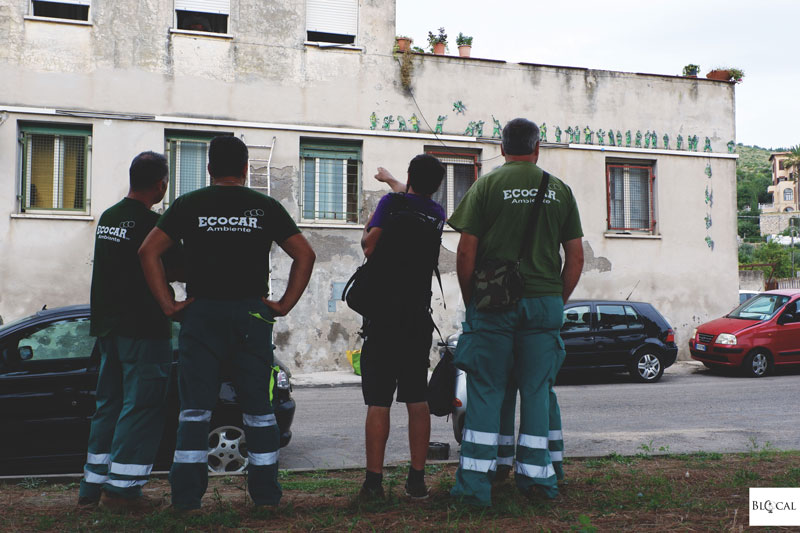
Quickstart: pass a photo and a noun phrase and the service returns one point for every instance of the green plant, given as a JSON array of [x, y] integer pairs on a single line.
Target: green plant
[[463, 40], [435, 38], [691, 69], [417, 49], [736, 74]]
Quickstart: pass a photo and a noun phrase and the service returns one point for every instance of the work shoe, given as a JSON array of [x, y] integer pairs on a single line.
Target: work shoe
[[120, 504], [501, 474], [540, 493], [369, 494], [86, 501], [417, 491]]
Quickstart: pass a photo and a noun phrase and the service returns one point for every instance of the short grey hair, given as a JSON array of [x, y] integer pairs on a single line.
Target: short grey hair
[[520, 137]]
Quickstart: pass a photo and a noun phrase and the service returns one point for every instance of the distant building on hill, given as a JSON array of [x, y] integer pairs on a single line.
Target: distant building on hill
[[775, 217]]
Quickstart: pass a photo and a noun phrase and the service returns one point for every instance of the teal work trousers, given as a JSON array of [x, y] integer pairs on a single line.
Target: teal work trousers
[[523, 342], [236, 335], [129, 419]]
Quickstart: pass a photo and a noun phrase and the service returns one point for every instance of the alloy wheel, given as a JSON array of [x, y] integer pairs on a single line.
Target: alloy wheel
[[648, 367], [227, 450]]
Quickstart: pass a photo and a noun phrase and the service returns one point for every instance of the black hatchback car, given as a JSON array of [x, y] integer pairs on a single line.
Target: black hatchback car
[[48, 374], [618, 335]]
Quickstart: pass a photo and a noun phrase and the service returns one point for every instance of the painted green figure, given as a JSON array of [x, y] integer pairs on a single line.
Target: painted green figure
[[601, 137], [439, 123], [693, 143], [709, 197], [387, 122], [708, 170], [496, 129], [666, 141], [401, 124], [638, 138], [414, 121], [373, 121], [731, 147], [679, 142], [708, 221], [543, 132], [459, 107], [577, 134], [611, 138], [479, 128], [470, 131], [628, 139], [587, 135], [570, 133], [558, 134], [707, 145], [619, 138], [647, 139], [654, 139], [710, 243]]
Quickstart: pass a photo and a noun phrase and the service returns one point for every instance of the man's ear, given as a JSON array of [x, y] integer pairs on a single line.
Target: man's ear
[[502, 151], [245, 170]]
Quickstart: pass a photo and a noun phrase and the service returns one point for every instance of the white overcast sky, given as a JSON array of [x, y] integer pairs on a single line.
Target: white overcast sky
[[659, 37]]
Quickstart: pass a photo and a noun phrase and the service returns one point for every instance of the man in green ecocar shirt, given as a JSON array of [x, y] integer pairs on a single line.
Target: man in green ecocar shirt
[[523, 341]]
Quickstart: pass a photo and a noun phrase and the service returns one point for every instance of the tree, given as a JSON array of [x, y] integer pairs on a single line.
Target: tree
[[793, 160], [777, 254]]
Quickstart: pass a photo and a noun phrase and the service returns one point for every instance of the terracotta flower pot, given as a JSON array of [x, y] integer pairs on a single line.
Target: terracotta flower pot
[[403, 44], [720, 75], [438, 49], [464, 50]]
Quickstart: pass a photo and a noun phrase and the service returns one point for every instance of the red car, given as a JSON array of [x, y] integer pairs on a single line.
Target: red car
[[759, 335]]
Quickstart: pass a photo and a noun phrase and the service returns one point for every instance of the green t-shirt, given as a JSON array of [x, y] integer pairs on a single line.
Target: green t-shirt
[[227, 232], [121, 301], [495, 210]]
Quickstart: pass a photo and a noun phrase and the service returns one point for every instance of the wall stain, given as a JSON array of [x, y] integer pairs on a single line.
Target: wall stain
[[337, 330], [281, 338], [591, 262], [326, 246], [447, 261]]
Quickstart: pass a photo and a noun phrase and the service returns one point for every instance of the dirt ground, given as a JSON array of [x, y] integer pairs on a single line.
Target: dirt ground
[[697, 492]]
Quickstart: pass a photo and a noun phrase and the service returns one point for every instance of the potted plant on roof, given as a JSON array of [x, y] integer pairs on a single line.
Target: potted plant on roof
[[726, 74], [403, 43], [464, 43], [691, 70], [438, 42]]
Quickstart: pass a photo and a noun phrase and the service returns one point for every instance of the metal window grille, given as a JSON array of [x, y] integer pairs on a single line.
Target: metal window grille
[[55, 172], [188, 165], [330, 183], [630, 198], [461, 173], [788, 195]]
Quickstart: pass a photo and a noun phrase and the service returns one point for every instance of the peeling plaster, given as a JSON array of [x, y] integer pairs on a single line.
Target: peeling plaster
[[337, 330], [281, 338], [591, 262]]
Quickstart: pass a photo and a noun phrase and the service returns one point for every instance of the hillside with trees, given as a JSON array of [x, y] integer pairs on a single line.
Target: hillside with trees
[[753, 176]]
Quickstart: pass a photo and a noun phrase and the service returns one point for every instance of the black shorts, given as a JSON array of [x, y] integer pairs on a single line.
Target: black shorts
[[396, 356]]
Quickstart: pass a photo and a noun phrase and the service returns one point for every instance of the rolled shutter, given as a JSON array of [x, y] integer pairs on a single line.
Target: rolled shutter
[[222, 7], [332, 16], [76, 2]]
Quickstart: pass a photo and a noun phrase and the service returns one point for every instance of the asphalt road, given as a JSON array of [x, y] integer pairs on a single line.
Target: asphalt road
[[689, 410]]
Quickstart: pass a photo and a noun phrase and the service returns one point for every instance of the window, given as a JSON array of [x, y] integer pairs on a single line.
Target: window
[[66, 9], [630, 197], [187, 153], [577, 319], [54, 167], [202, 15], [330, 180], [461, 172], [618, 317], [65, 339], [780, 164], [788, 195], [332, 21]]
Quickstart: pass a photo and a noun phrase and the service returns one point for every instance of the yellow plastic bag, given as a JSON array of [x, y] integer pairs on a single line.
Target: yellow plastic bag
[[354, 357]]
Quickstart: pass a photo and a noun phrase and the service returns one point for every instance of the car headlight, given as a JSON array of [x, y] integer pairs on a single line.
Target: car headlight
[[726, 338], [694, 333]]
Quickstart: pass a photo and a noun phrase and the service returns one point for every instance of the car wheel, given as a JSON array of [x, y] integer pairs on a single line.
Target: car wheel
[[756, 364], [227, 450], [458, 426], [647, 366]]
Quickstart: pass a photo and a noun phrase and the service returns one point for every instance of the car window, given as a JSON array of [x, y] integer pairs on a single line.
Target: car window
[[632, 319], [577, 318], [760, 307], [65, 339], [611, 317]]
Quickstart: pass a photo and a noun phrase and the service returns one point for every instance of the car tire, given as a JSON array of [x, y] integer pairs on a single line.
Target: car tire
[[227, 450], [646, 366], [757, 364], [458, 426]]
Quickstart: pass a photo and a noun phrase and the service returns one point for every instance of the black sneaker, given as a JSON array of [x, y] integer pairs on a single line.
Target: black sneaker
[[368, 494], [86, 501], [501, 474], [417, 491]]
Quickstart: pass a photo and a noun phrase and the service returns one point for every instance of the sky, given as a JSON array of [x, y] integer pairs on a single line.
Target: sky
[[653, 36]]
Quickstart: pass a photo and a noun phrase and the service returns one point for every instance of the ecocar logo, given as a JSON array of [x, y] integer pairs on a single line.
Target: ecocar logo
[[254, 213], [127, 224]]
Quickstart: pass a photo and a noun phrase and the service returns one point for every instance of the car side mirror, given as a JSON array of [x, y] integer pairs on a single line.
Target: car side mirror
[[786, 318], [25, 353]]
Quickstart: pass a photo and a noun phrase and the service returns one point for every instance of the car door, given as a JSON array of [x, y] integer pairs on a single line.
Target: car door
[[577, 334], [786, 335], [47, 395], [620, 330]]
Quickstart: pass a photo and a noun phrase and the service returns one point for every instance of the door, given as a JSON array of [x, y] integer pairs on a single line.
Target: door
[[577, 335], [620, 330], [786, 335]]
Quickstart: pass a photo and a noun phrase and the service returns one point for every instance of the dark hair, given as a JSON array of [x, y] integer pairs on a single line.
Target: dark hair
[[425, 174], [147, 169], [227, 156], [520, 137]]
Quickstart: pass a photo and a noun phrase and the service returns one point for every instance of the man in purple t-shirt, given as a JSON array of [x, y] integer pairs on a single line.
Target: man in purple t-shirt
[[402, 238]]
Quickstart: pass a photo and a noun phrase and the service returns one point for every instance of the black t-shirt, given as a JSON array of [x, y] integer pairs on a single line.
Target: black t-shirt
[[227, 232], [121, 301]]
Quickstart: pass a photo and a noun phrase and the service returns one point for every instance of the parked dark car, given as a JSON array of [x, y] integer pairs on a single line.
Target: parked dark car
[[48, 375], [759, 335], [600, 335]]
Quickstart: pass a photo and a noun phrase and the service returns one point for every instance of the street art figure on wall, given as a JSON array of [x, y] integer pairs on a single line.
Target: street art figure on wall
[[401, 124], [647, 139], [709, 197], [459, 107], [708, 221], [543, 133], [611, 138], [601, 136], [707, 145], [558, 134], [638, 139], [731, 147], [619, 138], [693, 143], [439, 123], [373, 121], [708, 170], [710, 243], [654, 140], [680, 142], [479, 128], [587, 135], [496, 129], [569, 132], [666, 141], [387, 122], [470, 131], [414, 121]]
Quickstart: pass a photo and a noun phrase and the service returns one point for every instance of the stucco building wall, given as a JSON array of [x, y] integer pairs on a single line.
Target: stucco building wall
[[264, 81]]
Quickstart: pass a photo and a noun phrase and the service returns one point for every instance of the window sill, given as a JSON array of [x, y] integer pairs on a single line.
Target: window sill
[[613, 235], [52, 216], [210, 34], [323, 225], [337, 46], [59, 21]]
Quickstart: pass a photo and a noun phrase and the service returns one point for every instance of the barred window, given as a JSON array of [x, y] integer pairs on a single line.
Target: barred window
[[788, 195], [461, 172], [630, 197], [187, 153], [54, 167], [330, 181], [64, 9]]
